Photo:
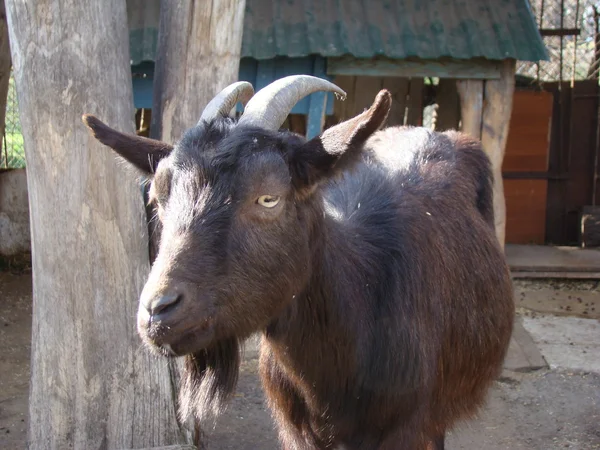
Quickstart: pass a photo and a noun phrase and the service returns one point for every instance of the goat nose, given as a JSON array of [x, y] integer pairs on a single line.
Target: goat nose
[[161, 302]]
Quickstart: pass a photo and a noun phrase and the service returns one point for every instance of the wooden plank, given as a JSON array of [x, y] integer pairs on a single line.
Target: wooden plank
[[582, 150], [545, 258], [470, 93], [398, 87], [472, 69], [557, 165], [317, 103], [414, 109], [527, 146], [560, 31], [342, 110], [316, 114], [525, 211], [91, 386], [497, 108], [366, 89], [448, 113], [557, 275]]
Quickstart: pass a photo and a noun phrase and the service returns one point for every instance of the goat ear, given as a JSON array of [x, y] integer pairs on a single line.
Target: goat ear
[[339, 147], [140, 151]]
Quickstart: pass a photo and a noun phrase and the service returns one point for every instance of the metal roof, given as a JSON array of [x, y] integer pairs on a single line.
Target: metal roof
[[398, 29]]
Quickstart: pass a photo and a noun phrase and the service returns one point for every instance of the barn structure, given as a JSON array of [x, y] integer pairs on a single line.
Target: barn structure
[[458, 55]]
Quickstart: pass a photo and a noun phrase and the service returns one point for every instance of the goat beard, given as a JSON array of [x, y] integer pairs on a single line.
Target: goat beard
[[208, 380]]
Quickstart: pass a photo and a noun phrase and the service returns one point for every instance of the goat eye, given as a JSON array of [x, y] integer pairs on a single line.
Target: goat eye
[[268, 201]]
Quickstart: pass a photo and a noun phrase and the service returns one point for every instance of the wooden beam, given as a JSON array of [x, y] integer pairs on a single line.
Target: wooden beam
[[471, 104], [560, 31], [91, 384], [497, 110], [476, 68]]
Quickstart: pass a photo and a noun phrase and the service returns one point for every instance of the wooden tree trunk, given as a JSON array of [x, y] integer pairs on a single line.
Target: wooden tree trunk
[[5, 64], [199, 46], [198, 54], [486, 108], [92, 384]]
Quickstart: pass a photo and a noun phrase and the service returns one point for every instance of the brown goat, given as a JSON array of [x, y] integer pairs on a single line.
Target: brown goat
[[367, 259]]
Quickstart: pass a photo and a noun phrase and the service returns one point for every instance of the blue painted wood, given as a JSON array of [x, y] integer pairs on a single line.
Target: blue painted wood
[[142, 77], [258, 73], [318, 103], [262, 73]]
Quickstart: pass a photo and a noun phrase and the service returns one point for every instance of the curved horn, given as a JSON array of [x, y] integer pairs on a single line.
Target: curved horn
[[242, 91], [272, 104]]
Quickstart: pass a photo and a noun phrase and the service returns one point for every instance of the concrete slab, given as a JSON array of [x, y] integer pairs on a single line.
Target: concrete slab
[[523, 354], [559, 298], [566, 342], [545, 258]]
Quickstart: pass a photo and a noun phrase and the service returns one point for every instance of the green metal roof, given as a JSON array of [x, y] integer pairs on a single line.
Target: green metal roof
[[397, 29], [428, 29]]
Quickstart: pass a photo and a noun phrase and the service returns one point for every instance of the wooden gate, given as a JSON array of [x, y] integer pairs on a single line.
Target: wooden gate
[[573, 159]]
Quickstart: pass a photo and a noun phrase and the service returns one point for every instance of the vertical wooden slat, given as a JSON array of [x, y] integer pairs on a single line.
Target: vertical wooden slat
[[398, 87], [366, 89], [342, 110], [448, 113], [414, 113]]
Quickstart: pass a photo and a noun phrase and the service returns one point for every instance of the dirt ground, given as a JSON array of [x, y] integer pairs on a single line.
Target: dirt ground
[[540, 410]]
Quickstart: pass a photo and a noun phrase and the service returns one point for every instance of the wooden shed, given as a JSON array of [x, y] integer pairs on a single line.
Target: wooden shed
[[454, 59]]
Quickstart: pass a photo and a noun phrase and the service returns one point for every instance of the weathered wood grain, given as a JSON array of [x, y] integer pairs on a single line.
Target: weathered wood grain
[[198, 54], [497, 109], [448, 113], [92, 385], [472, 69], [471, 106], [199, 46]]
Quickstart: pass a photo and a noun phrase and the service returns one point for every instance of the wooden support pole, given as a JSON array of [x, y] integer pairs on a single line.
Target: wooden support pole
[[497, 109], [92, 385], [198, 54], [486, 109], [471, 104]]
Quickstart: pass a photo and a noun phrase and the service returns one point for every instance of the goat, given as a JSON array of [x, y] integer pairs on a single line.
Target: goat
[[366, 257]]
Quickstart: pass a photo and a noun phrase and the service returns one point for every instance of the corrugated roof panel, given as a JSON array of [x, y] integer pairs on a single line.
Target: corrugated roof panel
[[398, 29], [428, 29]]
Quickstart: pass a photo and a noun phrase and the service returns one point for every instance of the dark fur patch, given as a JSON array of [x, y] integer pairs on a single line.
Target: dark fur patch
[[209, 379]]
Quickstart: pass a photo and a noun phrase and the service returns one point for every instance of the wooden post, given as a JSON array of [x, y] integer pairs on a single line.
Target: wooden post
[[92, 383], [497, 109], [471, 106], [5, 64], [486, 108], [199, 46], [198, 54]]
